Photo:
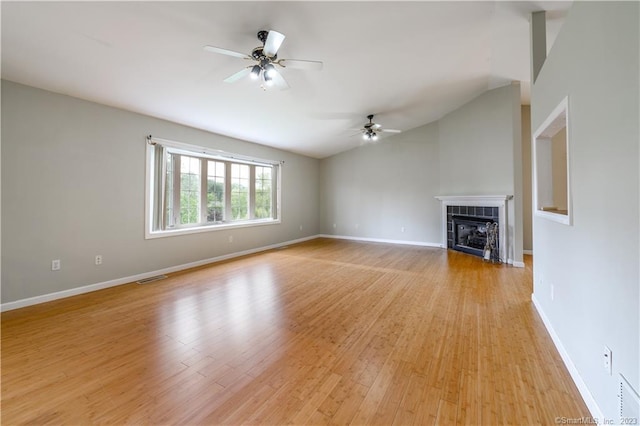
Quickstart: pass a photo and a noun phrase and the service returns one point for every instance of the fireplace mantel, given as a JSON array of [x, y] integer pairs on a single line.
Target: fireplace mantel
[[499, 201], [458, 200]]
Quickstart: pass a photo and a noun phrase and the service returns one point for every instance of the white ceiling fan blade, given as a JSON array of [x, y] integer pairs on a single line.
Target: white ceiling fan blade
[[273, 42], [389, 130], [278, 80], [237, 76], [228, 52], [300, 64]]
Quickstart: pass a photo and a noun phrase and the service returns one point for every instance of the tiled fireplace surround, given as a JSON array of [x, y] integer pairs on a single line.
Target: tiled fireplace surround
[[485, 206]]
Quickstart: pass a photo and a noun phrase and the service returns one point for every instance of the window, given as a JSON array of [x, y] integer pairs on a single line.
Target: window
[[195, 189], [552, 187]]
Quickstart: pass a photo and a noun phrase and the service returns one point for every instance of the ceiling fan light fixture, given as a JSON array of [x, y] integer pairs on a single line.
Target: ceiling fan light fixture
[[255, 71], [270, 70], [370, 135]]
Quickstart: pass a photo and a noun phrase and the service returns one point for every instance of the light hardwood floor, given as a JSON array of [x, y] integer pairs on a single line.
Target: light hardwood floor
[[326, 331]]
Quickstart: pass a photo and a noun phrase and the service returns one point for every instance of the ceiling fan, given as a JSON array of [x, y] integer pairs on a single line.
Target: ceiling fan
[[370, 130], [266, 59]]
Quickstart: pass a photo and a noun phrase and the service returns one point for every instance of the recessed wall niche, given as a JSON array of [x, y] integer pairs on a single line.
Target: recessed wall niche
[[552, 183]]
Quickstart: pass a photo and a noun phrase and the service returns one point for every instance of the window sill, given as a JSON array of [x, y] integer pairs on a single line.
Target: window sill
[[555, 215], [209, 228]]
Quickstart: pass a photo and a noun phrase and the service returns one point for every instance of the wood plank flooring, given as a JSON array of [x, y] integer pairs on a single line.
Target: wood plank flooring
[[326, 331]]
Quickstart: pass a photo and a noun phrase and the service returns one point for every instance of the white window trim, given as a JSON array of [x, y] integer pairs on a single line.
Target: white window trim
[[214, 154]]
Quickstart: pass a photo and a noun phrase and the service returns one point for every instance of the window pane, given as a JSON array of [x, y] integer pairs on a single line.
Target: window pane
[[239, 191], [263, 192], [215, 191], [189, 190], [168, 197]]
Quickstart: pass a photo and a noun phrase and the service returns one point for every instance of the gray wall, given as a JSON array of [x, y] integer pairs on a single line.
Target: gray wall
[[392, 184], [377, 189], [489, 126], [594, 264], [73, 187], [483, 127]]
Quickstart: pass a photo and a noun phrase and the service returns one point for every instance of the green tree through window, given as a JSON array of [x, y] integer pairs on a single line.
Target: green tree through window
[[239, 191], [189, 190], [263, 192], [215, 191]]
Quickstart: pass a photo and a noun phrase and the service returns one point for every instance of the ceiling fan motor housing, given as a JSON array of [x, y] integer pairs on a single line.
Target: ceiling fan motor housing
[[262, 36], [370, 124], [258, 55]]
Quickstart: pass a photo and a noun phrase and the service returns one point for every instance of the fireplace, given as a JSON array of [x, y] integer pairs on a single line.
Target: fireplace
[[483, 209], [470, 234]]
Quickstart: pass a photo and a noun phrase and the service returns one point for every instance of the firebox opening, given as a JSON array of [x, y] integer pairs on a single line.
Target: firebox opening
[[470, 234]]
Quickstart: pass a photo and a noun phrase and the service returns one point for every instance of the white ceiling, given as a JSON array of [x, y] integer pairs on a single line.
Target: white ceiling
[[409, 63]]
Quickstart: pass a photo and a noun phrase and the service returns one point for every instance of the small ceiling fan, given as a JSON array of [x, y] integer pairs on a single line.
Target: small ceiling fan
[[370, 130], [266, 59]]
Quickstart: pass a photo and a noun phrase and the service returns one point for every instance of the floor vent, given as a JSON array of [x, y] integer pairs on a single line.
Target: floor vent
[[629, 403], [151, 279]]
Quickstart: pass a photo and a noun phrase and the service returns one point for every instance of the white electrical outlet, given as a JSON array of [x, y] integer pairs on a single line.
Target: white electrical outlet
[[56, 265], [98, 259], [334, 226], [357, 226], [402, 229], [606, 355], [230, 238], [301, 227]]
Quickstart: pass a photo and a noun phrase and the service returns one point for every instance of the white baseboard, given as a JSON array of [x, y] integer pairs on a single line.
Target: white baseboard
[[527, 252], [593, 407], [133, 278], [515, 264], [126, 280], [382, 240], [412, 243]]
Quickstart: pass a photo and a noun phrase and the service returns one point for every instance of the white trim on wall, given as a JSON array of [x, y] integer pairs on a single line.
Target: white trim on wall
[[22, 303], [591, 403], [404, 242], [382, 240], [133, 278]]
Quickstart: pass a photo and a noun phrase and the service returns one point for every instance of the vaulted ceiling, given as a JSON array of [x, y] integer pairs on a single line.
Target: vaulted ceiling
[[409, 63]]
